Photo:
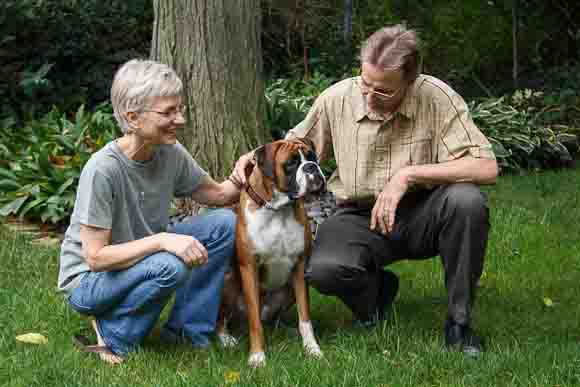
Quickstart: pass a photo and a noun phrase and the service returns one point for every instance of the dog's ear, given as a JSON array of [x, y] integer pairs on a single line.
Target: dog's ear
[[313, 156], [309, 143], [264, 156]]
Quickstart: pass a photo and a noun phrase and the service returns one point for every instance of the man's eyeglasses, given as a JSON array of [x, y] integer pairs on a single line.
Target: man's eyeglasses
[[170, 114], [382, 94]]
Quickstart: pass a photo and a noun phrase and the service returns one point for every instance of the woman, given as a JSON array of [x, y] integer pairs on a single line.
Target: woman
[[119, 262]]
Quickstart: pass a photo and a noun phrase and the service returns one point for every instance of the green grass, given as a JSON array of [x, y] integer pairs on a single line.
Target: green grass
[[533, 254]]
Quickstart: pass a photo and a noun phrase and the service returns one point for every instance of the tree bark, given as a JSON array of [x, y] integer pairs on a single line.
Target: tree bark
[[214, 45], [515, 27]]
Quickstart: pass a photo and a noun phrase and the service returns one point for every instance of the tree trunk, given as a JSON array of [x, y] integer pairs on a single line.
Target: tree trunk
[[214, 45], [515, 27]]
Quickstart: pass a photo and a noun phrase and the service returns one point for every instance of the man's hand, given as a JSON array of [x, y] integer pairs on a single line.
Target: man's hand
[[238, 176], [383, 213], [186, 247]]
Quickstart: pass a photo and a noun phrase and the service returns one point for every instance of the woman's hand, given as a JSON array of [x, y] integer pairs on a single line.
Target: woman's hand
[[238, 176], [186, 247], [385, 208]]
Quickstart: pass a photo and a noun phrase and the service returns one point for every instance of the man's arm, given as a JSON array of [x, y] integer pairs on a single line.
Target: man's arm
[[467, 169], [216, 194]]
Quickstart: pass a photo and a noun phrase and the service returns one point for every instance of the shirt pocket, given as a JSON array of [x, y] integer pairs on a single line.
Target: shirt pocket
[[409, 150], [419, 150]]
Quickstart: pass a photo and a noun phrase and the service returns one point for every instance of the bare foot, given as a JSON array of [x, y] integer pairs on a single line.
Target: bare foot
[[106, 357]]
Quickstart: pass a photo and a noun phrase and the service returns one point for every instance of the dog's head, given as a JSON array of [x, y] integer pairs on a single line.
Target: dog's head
[[292, 166]]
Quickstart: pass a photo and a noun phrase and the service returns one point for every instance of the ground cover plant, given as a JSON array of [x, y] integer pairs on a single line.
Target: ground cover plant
[[527, 308]]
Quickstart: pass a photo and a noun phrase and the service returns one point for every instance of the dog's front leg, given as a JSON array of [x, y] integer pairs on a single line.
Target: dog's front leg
[[303, 305], [252, 297]]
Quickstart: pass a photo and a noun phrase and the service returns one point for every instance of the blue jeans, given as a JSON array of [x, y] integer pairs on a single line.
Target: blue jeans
[[127, 304]]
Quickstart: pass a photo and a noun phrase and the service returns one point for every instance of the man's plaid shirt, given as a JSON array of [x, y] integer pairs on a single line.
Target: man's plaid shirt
[[432, 125]]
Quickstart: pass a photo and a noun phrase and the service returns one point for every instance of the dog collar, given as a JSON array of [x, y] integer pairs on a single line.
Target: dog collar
[[258, 199]]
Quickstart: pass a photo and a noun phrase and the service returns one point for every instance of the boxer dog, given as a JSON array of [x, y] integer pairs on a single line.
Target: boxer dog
[[273, 239]]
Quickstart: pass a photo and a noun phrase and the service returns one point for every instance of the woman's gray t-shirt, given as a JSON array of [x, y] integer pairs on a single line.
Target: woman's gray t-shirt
[[128, 197]]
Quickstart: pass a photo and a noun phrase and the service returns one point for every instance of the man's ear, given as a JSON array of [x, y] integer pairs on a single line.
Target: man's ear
[[265, 159]]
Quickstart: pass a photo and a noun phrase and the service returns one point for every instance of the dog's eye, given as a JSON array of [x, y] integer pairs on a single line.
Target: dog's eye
[[311, 156], [292, 163]]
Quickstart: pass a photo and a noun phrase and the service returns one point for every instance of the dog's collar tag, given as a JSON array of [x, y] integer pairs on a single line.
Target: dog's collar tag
[[258, 199]]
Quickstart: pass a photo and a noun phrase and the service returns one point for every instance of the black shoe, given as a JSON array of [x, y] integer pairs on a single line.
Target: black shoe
[[388, 289], [462, 338]]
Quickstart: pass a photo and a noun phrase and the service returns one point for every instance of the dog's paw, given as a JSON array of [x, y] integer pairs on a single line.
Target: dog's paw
[[313, 350], [257, 359], [227, 340]]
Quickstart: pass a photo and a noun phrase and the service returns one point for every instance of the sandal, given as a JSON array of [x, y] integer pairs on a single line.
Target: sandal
[[83, 344]]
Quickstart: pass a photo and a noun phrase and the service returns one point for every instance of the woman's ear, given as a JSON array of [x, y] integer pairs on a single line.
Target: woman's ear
[[132, 119]]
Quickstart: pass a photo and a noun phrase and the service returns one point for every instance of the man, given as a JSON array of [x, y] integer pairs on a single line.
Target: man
[[409, 159]]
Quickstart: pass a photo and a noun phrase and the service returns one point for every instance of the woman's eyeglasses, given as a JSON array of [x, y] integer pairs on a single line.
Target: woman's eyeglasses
[[170, 114]]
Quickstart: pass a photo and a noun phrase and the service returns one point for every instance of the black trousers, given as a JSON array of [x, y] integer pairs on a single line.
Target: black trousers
[[451, 221]]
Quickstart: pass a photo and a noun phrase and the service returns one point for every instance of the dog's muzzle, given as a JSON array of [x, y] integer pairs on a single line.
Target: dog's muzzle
[[309, 179], [315, 181]]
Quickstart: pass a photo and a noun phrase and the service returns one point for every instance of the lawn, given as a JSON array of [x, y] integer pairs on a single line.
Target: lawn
[[527, 308]]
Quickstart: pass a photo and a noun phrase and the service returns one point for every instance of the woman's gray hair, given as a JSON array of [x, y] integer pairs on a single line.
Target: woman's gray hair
[[393, 47], [137, 82]]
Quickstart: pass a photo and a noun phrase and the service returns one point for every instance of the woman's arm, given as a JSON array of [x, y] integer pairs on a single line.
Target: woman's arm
[[211, 193], [101, 255]]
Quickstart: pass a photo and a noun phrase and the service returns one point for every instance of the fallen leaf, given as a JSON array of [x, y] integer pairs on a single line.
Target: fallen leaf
[[548, 302], [47, 241], [232, 377], [32, 338]]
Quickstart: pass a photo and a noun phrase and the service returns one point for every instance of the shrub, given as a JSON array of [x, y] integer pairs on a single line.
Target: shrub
[[64, 53], [524, 131], [288, 101], [40, 164]]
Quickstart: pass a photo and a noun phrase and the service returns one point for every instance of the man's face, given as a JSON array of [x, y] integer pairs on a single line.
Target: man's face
[[383, 89]]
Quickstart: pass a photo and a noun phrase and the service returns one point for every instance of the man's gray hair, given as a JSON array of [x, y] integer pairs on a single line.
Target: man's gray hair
[[393, 47], [137, 82]]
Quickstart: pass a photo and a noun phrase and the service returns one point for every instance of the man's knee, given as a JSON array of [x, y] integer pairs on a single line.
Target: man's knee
[[467, 200], [330, 277], [321, 276]]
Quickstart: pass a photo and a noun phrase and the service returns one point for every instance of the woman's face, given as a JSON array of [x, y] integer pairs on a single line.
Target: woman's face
[[158, 123]]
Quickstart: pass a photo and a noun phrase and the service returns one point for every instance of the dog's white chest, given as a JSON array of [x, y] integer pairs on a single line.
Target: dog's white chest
[[278, 239]]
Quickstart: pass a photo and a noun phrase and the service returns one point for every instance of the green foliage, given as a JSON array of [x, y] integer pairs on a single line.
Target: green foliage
[[40, 163], [64, 53], [288, 101], [523, 132]]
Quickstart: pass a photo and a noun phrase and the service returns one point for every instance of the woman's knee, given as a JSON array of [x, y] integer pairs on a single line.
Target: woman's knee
[[167, 269], [224, 224]]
